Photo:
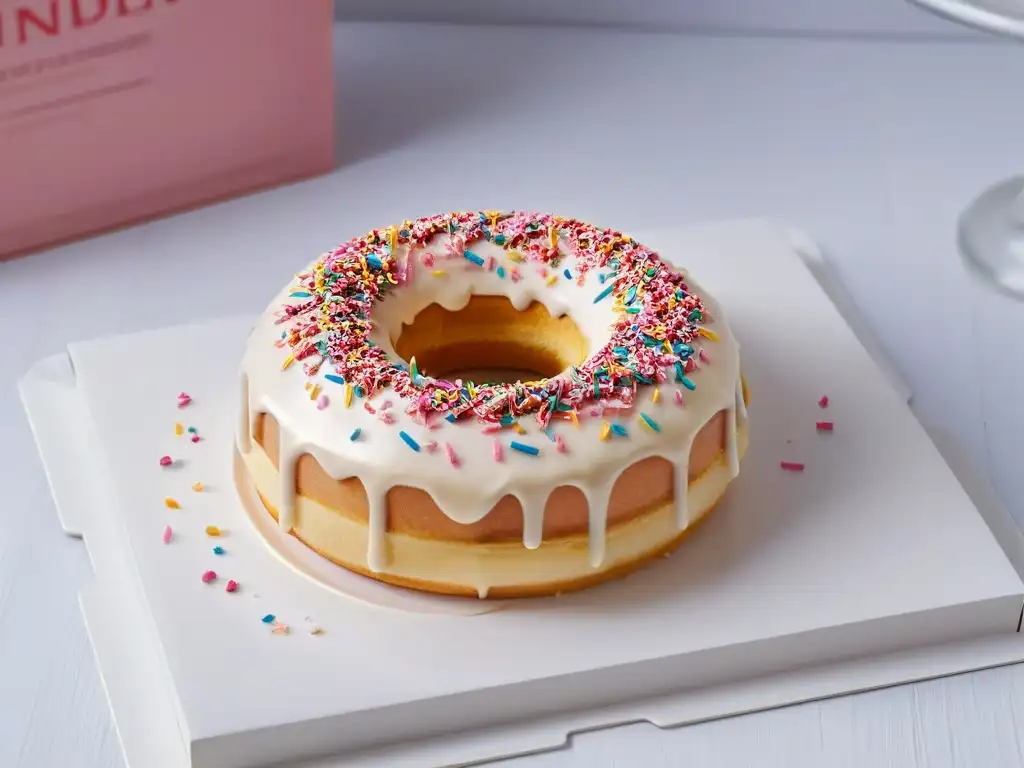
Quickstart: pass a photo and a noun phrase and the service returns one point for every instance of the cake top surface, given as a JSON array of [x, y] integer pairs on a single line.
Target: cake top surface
[[655, 319]]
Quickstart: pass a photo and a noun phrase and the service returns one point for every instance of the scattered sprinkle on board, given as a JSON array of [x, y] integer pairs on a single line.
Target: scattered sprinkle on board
[[171, 503], [824, 426], [168, 533], [209, 576], [823, 402], [792, 466]]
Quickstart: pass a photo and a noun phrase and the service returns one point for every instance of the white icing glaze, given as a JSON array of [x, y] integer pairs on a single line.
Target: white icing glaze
[[381, 460]]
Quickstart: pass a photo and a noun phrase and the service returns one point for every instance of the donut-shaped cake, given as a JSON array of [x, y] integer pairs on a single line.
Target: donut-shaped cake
[[491, 404]]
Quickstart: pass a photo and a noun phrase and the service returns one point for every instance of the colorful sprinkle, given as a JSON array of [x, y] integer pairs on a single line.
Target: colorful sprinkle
[[606, 429], [171, 503], [218, 550], [823, 402], [334, 379], [472, 257], [355, 434], [193, 431], [619, 430], [280, 629], [567, 273], [431, 447], [687, 383], [678, 396], [656, 396], [604, 293], [529, 450], [168, 533], [439, 273], [269, 618], [407, 439], [209, 576], [792, 466], [212, 530], [287, 362], [560, 445], [231, 586], [824, 426], [194, 438], [496, 450], [183, 399], [552, 280], [179, 430], [322, 402], [198, 487], [449, 451], [650, 423], [166, 461]]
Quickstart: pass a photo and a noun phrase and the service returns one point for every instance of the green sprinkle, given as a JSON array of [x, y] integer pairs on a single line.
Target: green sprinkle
[[192, 430], [631, 295], [695, 315], [650, 422], [409, 441], [604, 293], [499, 239], [633, 310], [687, 383], [355, 434]]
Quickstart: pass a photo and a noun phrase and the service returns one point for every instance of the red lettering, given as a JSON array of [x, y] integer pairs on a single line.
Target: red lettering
[[80, 19], [124, 10], [25, 17]]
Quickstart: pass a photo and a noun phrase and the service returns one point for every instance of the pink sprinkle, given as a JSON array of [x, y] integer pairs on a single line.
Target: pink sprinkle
[[824, 426], [166, 461], [232, 586], [496, 450], [321, 402], [703, 356], [209, 576], [679, 397], [369, 407], [560, 445], [195, 438], [183, 400], [386, 417], [691, 365], [450, 453], [167, 535], [595, 412], [427, 258], [823, 403], [432, 425], [514, 274], [490, 429], [491, 263], [431, 446], [385, 405], [792, 466]]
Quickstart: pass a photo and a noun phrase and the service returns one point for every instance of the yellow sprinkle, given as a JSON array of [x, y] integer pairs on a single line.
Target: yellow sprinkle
[[668, 347], [393, 239], [518, 428], [439, 273], [515, 256], [552, 280], [657, 395], [708, 334], [288, 361], [197, 487], [553, 236], [307, 385], [606, 429], [212, 530], [314, 392], [575, 420], [493, 216], [179, 430], [348, 395], [171, 503]]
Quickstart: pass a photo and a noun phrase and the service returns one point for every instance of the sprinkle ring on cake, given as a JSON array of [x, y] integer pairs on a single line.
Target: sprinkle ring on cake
[[491, 404]]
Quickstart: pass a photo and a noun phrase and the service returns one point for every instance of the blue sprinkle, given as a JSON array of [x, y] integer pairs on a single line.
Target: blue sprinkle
[[301, 295], [631, 295], [360, 392], [604, 293], [269, 618], [687, 383], [620, 430], [501, 272], [524, 448], [650, 422], [567, 273], [499, 239], [550, 433], [218, 550], [374, 262], [507, 419], [450, 418], [355, 434], [409, 441], [680, 375], [470, 256]]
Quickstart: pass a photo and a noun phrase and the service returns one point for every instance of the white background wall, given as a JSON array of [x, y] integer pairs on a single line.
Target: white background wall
[[865, 17]]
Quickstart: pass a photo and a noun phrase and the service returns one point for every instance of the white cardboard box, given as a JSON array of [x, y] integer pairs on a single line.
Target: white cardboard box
[[871, 568]]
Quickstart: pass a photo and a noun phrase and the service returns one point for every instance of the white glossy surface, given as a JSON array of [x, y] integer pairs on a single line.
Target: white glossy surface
[[873, 147]]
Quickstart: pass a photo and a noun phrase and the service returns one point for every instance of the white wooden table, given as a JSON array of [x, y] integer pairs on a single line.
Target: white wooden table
[[872, 147]]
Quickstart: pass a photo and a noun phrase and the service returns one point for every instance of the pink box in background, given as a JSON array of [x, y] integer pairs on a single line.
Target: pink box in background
[[112, 111]]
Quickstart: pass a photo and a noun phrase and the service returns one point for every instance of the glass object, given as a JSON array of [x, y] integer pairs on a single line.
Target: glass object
[[990, 232]]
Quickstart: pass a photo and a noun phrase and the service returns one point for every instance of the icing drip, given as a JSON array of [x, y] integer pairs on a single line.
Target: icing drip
[[597, 503], [681, 485], [244, 430], [287, 459], [732, 450], [741, 402], [376, 548], [533, 518]]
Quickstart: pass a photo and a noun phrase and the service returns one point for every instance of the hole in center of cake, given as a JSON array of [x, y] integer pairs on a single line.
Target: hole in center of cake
[[490, 341]]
